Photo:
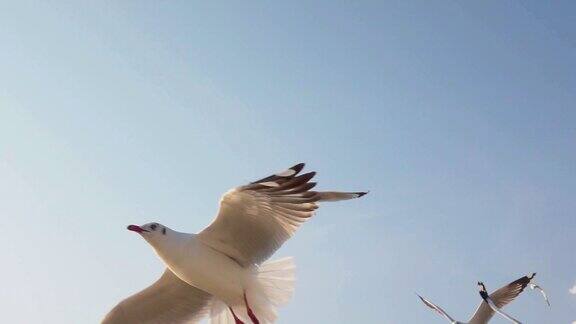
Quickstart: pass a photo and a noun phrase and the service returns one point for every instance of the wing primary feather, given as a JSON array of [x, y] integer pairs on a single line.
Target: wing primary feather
[[293, 182], [296, 169], [254, 220], [296, 190], [436, 308]]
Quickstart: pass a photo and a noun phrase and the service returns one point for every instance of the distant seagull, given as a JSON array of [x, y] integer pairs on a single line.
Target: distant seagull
[[485, 311], [221, 271], [534, 286]]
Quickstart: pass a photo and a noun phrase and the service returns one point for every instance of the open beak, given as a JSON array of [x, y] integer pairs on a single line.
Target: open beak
[[136, 228]]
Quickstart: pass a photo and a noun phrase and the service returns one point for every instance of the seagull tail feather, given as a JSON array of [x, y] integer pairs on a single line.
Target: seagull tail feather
[[272, 286]]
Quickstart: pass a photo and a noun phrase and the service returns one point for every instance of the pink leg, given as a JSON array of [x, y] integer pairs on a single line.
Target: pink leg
[[236, 319], [250, 312]]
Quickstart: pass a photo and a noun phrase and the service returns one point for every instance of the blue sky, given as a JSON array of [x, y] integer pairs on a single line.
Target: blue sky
[[458, 117]]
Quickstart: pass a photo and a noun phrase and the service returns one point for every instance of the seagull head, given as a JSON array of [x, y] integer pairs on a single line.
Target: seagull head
[[482, 290], [151, 232], [481, 286]]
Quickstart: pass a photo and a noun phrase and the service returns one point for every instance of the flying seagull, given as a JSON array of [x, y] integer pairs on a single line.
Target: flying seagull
[[223, 271], [534, 286], [490, 304]]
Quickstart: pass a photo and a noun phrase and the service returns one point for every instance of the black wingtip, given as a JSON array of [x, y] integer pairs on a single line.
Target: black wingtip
[[532, 276], [298, 167], [360, 194]]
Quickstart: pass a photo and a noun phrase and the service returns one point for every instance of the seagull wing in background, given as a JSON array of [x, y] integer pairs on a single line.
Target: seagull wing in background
[[535, 286], [254, 220], [500, 298], [436, 308], [168, 300], [493, 306]]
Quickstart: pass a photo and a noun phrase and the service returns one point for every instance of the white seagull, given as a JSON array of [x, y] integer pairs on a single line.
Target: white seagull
[[221, 271], [534, 286], [490, 304]]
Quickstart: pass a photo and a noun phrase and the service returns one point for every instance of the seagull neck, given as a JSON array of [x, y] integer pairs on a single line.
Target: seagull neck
[[171, 242]]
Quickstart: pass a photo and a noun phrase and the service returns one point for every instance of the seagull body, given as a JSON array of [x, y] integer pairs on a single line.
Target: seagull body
[[223, 270], [491, 303], [216, 273]]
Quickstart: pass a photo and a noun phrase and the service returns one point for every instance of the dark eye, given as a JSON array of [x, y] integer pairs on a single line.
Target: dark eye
[[153, 227]]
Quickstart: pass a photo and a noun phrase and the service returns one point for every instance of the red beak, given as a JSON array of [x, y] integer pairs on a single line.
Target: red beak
[[136, 228]]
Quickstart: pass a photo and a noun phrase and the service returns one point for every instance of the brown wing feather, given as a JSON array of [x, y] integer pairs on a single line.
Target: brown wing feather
[[506, 294], [501, 298], [254, 220]]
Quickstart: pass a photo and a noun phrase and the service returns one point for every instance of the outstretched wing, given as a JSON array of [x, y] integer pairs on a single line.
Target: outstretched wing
[[254, 220], [436, 308], [492, 305], [168, 300], [500, 298]]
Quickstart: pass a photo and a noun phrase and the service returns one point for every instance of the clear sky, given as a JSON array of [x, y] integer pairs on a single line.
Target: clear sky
[[459, 118]]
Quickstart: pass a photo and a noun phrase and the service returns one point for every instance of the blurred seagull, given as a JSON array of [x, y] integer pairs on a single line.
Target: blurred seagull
[[439, 310], [534, 286], [492, 300], [491, 303], [221, 271]]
